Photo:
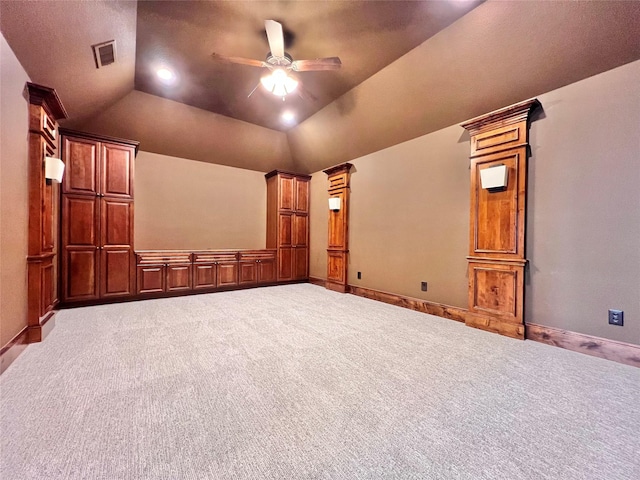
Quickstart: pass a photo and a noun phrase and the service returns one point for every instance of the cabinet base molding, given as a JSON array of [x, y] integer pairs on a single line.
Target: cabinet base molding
[[336, 287], [321, 282], [13, 349], [424, 306], [620, 352], [38, 333], [495, 325]]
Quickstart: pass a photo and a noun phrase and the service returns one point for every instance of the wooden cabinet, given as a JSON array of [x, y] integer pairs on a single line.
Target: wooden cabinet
[[97, 217], [215, 269], [288, 223], [257, 267], [159, 272]]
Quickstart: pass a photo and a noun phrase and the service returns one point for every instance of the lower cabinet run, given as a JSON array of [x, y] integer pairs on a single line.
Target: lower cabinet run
[[161, 272]]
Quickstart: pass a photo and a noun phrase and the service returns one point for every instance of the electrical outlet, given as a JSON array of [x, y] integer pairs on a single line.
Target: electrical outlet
[[423, 286], [359, 275], [616, 317]]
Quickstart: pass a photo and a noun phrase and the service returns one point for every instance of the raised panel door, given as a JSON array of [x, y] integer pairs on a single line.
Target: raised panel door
[[248, 272], [117, 170], [151, 278], [116, 222], [300, 230], [178, 277], [80, 157], [267, 271], [47, 287], [302, 195], [80, 220], [285, 263], [285, 230], [286, 198], [301, 263], [204, 276], [227, 274], [81, 273], [115, 272]]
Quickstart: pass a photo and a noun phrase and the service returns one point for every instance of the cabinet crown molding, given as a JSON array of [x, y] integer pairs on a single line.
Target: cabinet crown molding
[[284, 172], [515, 113], [342, 168], [46, 97], [99, 138]]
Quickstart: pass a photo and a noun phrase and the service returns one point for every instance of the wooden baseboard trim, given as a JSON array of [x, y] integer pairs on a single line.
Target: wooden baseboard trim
[[495, 325], [13, 349], [318, 281], [620, 352], [37, 333], [424, 306]]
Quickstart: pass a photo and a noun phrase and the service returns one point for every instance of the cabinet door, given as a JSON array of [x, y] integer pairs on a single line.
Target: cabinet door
[[204, 276], [285, 264], [302, 195], [178, 277], [116, 247], [267, 271], [151, 278], [299, 230], [301, 263], [227, 274], [286, 198], [80, 157], [248, 272], [116, 170], [80, 247], [285, 229], [116, 279]]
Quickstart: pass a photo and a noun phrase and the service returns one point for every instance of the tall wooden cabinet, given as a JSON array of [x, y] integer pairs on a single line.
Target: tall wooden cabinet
[[288, 223], [98, 259], [45, 109]]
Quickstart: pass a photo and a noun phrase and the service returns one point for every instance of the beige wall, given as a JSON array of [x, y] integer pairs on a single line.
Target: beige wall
[[409, 211], [185, 204], [583, 228], [408, 218], [13, 195]]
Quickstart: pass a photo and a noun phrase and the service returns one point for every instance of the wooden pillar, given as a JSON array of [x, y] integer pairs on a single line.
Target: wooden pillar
[[45, 109], [338, 245], [497, 220]]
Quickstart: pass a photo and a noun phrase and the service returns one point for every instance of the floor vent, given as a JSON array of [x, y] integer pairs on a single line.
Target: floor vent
[[104, 53]]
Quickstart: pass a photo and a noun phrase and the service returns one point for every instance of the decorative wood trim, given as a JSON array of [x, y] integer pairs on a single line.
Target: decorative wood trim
[[518, 262], [318, 281], [515, 113], [495, 325], [620, 352], [338, 236], [438, 309], [273, 173], [46, 97], [13, 349], [37, 333], [99, 138]]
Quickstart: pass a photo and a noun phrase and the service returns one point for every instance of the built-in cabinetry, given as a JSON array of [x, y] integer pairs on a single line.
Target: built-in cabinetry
[[97, 217], [42, 260], [170, 271], [288, 223]]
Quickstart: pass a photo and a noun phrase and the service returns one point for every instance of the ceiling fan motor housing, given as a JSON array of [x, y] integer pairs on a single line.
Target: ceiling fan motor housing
[[285, 61]]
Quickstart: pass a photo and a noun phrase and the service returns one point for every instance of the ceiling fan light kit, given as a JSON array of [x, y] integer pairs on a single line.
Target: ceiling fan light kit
[[279, 82]]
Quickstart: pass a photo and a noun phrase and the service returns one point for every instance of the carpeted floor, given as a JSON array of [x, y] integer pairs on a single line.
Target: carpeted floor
[[298, 382]]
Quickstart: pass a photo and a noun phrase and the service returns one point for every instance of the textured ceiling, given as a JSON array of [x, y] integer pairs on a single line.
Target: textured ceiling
[[409, 68]]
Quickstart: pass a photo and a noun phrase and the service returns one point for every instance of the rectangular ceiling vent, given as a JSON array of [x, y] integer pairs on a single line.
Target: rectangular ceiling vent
[[104, 53]]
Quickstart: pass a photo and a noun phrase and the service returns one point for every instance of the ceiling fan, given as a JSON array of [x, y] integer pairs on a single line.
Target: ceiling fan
[[280, 64]]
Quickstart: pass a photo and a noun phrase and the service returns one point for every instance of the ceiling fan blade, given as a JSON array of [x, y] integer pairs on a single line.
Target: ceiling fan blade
[[238, 60], [275, 37], [331, 63]]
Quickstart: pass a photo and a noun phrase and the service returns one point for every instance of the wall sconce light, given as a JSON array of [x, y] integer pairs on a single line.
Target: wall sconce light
[[334, 204], [53, 169], [495, 178]]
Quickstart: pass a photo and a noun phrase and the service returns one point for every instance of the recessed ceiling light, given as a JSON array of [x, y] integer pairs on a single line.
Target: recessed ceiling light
[[288, 117], [166, 76]]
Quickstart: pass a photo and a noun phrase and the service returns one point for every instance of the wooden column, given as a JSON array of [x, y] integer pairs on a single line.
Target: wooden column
[[497, 221], [45, 109], [338, 247]]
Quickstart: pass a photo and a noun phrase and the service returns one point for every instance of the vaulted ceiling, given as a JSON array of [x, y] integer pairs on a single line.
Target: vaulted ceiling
[[409, 68]]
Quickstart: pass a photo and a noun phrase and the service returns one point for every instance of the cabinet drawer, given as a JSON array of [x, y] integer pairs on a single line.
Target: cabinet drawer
[[257, 255], [214, 257], [162, 258]]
